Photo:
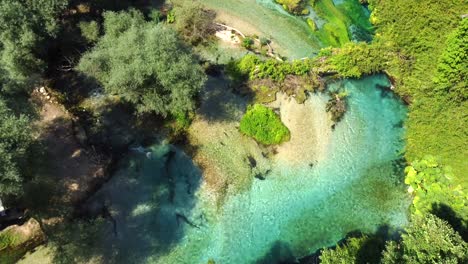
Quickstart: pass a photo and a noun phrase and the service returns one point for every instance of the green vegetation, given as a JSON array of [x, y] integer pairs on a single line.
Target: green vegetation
[[24, 27], [296, 7], [431, 184], [427, 240], [363, 249], [436, 91], [15, 141], [355, 59], [90, 31], [435, 122], [9, 241], [194, 23], [252, 67], [345, 22], [145, 64], [261, 123], [452, 69], [247, 42]]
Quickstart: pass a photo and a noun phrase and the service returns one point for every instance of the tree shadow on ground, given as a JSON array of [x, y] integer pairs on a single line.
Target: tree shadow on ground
[[219, 103], [147, 207], [446, 213]]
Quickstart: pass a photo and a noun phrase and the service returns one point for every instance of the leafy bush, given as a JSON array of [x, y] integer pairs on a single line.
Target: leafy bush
[[90, 31], [261, 123], [194, 23], [252, 67], [247, 42], [437, 117], [296, 7], [364, 249], [431, 184], [427, 240], [15, 142], [452, 69], [356, 59]]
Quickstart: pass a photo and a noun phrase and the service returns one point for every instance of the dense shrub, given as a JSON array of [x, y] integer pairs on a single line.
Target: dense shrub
[[24, 27], [452, 69], [247, 42], [15, 141], [432, 184], [427, 240], [355, 59], [364, 249], [194, 23], [90, 31], [144, 63], [251, 67], [261, 123]]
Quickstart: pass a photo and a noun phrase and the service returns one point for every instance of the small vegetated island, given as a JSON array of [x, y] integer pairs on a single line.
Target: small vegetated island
[[233, 131], [264, 125]]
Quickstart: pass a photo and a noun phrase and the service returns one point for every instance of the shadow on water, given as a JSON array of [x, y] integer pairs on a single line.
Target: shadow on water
[[279, 253], [143, 211]]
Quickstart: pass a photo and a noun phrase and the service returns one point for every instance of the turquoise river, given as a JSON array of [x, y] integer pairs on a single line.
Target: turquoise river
[[164, 214]]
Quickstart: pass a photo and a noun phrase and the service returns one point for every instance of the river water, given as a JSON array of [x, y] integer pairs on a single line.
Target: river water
[[165, 214]]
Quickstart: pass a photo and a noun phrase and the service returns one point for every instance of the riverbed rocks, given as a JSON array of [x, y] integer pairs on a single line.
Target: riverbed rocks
[[18, 239]]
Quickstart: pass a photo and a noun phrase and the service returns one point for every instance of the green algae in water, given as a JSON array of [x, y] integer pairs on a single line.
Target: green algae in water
[[295, 211]]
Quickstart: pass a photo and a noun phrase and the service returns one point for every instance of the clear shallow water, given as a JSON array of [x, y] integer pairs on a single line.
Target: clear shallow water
[[161, 218]]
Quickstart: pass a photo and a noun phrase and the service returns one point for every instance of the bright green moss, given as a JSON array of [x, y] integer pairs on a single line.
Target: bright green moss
[[261, 123]]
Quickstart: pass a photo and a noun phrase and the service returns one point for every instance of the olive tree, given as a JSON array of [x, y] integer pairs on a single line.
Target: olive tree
[[15, 141], [24, 26], [145, 64]]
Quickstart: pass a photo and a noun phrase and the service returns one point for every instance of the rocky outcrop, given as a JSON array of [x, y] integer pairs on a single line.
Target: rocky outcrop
[[16, 240]]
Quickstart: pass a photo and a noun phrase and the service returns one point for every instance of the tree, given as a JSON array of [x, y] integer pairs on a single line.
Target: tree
[[364, 249], [145, 64], [24, 25], [90, 31], [427, 240], [15, 140], [194, 23]]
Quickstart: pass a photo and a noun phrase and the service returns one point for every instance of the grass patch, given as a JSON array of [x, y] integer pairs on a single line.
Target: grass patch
[[262, 124]]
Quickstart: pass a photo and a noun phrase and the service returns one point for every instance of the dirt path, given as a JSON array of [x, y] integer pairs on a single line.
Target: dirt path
[[74, 168]]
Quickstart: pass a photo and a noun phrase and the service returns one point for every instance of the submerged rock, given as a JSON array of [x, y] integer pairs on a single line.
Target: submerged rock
[[260, 177], [252, 161]]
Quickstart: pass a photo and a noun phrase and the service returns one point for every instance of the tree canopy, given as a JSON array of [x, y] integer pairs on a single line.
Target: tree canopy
[[15, 140], [144, 63], [24, 25], [427, 240]]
